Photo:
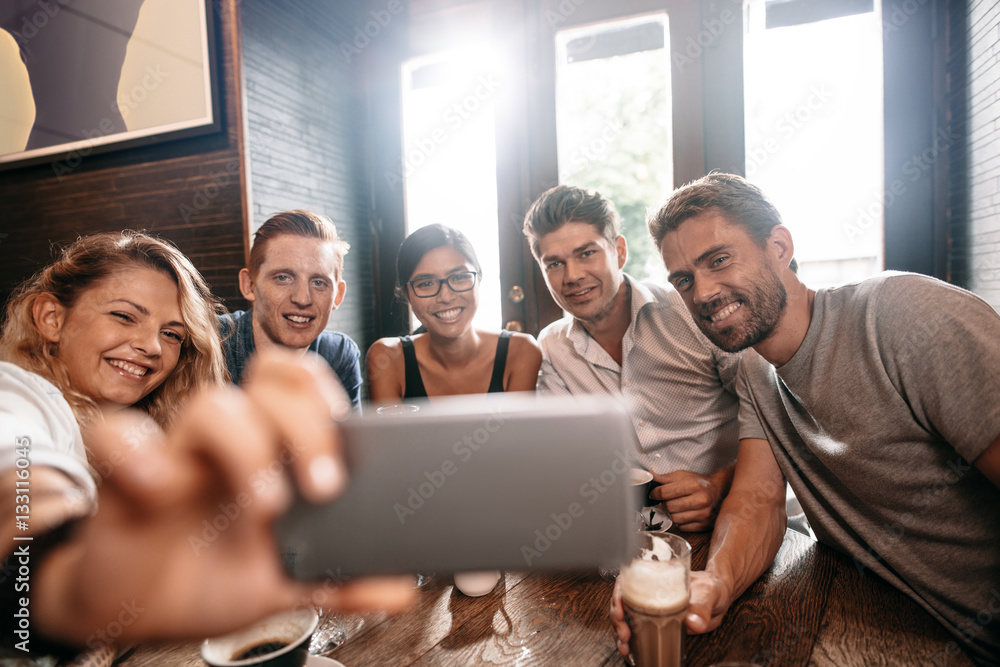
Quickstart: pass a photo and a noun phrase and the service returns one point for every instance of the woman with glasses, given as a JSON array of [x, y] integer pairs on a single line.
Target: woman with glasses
[[438, 275]]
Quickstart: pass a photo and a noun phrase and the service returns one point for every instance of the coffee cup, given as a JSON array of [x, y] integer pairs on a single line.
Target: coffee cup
[[281, 640], [641, 482]]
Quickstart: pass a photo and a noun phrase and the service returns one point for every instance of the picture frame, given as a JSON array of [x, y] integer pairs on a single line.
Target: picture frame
[[104, 75]]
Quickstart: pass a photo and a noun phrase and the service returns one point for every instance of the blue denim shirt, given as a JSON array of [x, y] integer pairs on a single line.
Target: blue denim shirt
[[336, 348]]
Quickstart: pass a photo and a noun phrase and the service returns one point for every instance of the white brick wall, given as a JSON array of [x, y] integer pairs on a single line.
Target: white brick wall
[[984, 148]]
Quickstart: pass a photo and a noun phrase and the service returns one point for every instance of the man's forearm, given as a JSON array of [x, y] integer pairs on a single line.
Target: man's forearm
[[751, 522], [723, 480]]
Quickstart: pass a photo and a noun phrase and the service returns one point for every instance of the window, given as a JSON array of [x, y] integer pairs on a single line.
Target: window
[[613, 120], [449, 156], [814, 130]]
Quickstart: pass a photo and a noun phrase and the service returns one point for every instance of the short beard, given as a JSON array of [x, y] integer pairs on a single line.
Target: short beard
[[766, 305]]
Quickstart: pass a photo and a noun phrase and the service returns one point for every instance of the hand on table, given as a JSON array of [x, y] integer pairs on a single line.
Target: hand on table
[[181, 544], [693, 500], [709, 603]]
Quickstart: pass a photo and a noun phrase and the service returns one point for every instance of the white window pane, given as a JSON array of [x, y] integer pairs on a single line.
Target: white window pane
[[449, 153], [814, 138], [613, 119]]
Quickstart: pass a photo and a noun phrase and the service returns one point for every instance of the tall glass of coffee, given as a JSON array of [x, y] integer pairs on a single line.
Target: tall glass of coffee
[[655, 587]]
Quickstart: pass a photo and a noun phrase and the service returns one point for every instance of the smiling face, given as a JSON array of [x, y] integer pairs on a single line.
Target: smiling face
[[449, 313], [122, 337], [294, 292], [583, 270], [727, 280]]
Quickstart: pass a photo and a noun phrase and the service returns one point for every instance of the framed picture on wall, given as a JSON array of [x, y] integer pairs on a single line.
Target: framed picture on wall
[[87, 76]]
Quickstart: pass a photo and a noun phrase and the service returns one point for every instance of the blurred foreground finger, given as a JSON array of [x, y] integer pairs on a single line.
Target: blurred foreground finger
[[301, 399], [126, 449], [222, 438], [391, 594]]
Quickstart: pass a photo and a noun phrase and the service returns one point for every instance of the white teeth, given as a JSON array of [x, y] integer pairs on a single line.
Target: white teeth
[[725, 312], [138, 371], [298, 319], [448, 314]]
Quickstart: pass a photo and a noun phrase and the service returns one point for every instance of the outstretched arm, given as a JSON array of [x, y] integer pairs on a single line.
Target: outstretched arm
[[182, 537]]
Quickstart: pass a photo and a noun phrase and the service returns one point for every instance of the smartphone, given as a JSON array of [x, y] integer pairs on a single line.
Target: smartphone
[[488, 482]]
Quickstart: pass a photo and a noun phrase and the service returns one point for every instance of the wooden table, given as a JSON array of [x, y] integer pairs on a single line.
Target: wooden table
[[812, 607]]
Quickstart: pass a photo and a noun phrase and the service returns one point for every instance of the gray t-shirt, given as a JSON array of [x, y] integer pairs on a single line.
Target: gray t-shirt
[[874, 422]]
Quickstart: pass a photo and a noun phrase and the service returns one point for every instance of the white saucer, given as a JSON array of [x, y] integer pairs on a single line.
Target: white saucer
[[320, 661], [661, 518]]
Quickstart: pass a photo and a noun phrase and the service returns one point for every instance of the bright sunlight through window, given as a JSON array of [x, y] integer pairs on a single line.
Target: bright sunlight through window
[[449, 155], [614, 124], [814, 138]]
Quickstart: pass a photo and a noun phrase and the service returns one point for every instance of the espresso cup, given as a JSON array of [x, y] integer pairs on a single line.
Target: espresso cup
[[281, 640], [641, 482], [655, 588]]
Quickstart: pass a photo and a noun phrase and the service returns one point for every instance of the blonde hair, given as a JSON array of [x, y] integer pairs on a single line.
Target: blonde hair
[[79, 267]]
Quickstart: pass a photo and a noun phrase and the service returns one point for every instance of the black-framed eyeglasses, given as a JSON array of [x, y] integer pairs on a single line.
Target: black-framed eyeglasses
[[458, 282]]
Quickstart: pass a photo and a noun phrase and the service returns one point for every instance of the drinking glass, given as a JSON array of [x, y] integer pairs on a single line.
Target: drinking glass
[[655, 587], [334, 629]]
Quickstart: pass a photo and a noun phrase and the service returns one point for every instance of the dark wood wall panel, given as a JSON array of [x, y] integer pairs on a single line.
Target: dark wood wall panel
[[186, 191]]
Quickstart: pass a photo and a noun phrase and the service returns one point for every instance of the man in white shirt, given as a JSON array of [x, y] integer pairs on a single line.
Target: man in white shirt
[[636, 340]]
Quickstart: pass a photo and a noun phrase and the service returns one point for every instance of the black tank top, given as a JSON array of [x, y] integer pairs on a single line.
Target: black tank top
[[415, 384]]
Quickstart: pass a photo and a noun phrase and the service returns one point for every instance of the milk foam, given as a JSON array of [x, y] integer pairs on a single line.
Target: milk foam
[[654, 586]]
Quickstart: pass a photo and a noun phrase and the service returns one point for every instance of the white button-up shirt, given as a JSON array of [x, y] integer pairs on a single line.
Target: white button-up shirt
[[679, 388]]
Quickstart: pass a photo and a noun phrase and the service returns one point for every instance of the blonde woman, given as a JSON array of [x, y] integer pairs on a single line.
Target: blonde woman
[[124, 320]]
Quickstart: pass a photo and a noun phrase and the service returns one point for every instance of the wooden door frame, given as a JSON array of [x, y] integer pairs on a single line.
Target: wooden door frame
[[706, 40]]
